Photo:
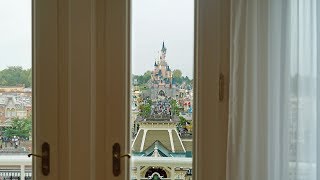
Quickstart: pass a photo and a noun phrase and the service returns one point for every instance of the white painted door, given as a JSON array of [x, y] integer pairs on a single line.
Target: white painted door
[[64, 88], [82, 70]]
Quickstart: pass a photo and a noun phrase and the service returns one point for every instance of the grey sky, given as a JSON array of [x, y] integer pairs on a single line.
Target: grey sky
[[15, 33], [154, 21]]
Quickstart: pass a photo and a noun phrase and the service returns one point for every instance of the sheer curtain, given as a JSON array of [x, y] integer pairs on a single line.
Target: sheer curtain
[[274, 124]]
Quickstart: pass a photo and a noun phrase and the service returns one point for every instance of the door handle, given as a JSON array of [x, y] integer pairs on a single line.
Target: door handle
[[45, 158], [116, 159]]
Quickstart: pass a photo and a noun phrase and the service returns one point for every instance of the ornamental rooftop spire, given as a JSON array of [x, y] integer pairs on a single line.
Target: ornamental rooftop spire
[[164, 49]]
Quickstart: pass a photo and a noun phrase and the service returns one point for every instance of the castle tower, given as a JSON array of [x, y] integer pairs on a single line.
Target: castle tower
[[163, 52]]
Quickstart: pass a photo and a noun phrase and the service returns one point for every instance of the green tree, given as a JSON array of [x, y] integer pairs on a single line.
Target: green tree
[[19, 127], [142, 80], [145, 110], [15, 75], [176, 74], [146, 76], [149, 101], [2, 81], [182, 121], [29, 77], [175, 107]]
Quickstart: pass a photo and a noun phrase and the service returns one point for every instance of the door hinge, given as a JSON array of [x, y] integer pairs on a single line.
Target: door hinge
[[221, 87]]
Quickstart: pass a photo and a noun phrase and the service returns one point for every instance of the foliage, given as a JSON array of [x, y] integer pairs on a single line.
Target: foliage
[[149, 101], [174, 106], [176, 74], [179, 79], [145, 110], [182, 120], [19, 127], [142, 79], [15, 75], [184, 123]]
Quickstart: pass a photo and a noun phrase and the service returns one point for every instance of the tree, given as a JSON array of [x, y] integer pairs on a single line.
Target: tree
[[182, 121], [15, 75], [19, 127], [145, 110], [29, 77], [146, 76], [174, 106], [142, 80], [176, 74]]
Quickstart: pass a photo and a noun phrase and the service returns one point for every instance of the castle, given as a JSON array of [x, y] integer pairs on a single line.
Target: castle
[[161, 84]]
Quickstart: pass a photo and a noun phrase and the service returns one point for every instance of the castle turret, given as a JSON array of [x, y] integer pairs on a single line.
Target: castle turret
[[164, 49], [163, 52]]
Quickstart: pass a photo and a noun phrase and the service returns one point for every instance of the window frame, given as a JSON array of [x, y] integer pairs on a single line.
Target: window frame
[[105, 27]]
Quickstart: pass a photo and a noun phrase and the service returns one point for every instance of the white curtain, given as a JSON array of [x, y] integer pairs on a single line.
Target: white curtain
[[274, 124]]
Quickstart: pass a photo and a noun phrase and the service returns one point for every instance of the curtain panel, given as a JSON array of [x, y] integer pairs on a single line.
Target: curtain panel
[[274, 130]]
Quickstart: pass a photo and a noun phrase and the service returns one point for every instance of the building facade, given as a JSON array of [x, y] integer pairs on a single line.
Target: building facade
[[15, 104]]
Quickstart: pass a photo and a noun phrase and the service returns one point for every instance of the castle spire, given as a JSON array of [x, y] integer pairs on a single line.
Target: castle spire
[[163, 49]]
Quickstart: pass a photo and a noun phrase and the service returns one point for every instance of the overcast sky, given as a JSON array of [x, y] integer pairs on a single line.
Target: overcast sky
[[15, 33], [153, 21]]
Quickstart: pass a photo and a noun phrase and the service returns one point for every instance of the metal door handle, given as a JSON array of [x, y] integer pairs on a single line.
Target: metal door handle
[[125, 155], [45, 158], [116, 157]]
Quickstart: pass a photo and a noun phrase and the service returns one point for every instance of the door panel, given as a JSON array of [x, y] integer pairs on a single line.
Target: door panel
[[45, 80], [117, 75], [64, 61], [212, 58]]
